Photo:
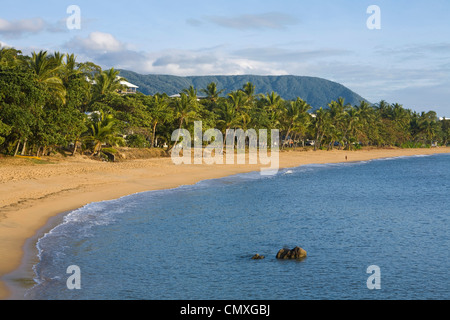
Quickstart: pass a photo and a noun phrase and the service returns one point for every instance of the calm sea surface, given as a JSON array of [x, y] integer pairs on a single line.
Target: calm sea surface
[[196, 242]]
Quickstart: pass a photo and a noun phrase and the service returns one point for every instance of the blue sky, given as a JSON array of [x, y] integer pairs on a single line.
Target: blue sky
[[406, 61]]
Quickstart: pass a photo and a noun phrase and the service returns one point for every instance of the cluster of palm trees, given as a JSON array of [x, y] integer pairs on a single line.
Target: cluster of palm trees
[[337, 125], [51, 102], [54, 114]]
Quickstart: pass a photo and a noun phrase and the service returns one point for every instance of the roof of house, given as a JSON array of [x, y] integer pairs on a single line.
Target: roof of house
[[129, 85]]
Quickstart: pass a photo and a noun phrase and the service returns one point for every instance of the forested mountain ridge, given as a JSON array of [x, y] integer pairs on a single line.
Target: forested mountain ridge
[[315, 91]]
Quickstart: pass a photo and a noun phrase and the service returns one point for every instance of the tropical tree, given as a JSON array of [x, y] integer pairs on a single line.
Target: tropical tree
[[383, 108], [192, 94], [103, 130], [337, 116], [321, 124], [211, 91], [272, 101], [159, 111], [429, 126], [47, 69], [9, 57], [290, 116], [353, 126], [228, 117], [238, 100], [401, 118], [106, 82], [367, 117], [22, 97], [250, 92], [185, 110], [445, 131], [300, 115], [5, 130]]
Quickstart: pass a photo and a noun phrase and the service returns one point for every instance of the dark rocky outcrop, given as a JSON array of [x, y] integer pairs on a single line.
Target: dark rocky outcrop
[[258, 257], [295, 254]]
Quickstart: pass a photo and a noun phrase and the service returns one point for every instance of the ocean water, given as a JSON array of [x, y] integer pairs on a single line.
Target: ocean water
[[196, 242]]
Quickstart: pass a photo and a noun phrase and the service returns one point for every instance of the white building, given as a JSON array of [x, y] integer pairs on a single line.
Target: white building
[[130, 88]]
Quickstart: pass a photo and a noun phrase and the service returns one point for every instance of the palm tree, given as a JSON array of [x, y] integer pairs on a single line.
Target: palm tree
[[47, 70], [57, 58], [107, 81], [238, 100], [272, 101], [401, 119], [184, 110], [211, 92], [383, 108], [290, 116], [367, 117], [429, 125], [159, 113], [353, 127], [246, 121], [445, 131], [250, 91], [337, 113], [229, 117], [191, 93], [102, 131], [321, 124], [70, 68], [302, 119]]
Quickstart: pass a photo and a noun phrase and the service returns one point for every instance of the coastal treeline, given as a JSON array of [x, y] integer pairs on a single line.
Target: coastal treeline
[[50, 102]]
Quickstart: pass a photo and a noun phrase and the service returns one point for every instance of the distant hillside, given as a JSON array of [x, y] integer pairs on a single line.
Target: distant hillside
[[316, 91]]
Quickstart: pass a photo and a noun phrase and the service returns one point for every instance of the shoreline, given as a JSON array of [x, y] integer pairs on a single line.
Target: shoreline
[[22, 278], [39, 195]]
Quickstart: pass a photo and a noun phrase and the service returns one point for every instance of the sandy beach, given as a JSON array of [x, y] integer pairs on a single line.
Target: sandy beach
[[33, 193]]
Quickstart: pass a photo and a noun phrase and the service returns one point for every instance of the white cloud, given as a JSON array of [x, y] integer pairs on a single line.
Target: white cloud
[[96, 42], [19, 27], [188, 63], [113, 53]]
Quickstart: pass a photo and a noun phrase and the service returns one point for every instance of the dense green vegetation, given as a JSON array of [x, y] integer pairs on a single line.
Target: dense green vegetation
[[316, 92], [52, 103]]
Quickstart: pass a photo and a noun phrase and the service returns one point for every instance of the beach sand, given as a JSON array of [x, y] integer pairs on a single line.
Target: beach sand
[[34, 194]]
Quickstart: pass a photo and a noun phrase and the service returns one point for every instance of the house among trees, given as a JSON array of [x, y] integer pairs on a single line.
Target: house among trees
[[127, 87], [130, 88]]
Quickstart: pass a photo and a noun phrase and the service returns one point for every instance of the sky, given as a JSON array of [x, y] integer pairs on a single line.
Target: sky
[[405, 60]]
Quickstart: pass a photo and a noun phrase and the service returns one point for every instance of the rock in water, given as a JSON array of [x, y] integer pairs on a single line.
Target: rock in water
[[257, 257], [295, 254]]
